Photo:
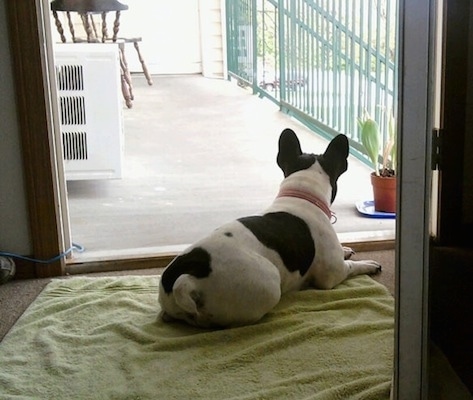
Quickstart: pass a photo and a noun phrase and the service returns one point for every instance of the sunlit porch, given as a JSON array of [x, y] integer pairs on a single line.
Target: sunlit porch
[[199, 152]]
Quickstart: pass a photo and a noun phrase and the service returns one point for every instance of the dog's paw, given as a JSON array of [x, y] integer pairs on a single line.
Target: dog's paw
[[376, 267], [347, 252]]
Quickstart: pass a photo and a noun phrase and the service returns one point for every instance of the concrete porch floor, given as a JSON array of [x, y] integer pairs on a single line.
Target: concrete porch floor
[[198, 153]]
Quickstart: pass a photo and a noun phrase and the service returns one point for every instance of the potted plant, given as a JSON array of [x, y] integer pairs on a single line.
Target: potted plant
[[383, 178]]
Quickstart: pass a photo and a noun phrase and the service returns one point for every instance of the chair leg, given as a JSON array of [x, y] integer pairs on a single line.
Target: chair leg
[[125, 90], [125, 70], [143, 65]]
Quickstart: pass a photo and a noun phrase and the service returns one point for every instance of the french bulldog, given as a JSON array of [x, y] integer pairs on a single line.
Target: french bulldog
[[238, 273]]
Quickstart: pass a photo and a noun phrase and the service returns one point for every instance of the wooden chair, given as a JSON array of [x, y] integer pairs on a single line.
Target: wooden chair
[[87, 9]]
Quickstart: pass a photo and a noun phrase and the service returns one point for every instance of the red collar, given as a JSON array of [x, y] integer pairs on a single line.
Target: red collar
[[310, 198]]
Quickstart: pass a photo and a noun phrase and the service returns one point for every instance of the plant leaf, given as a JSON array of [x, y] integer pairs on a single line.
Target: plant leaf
[[370, 140]]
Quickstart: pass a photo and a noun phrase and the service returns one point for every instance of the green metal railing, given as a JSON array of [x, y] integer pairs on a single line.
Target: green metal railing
[[326, 62]]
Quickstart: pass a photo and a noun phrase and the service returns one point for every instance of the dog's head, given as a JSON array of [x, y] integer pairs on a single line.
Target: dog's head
[[334, 161]]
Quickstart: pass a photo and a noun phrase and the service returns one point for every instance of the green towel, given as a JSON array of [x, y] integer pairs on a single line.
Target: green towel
[[100, 338]]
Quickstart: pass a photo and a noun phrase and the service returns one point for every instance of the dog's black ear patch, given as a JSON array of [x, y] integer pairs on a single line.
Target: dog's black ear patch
[[334, 160], [290, 157], [196, 263], [286, 234]]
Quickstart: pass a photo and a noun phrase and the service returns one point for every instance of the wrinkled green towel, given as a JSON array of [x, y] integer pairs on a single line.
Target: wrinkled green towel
[[100, 338]]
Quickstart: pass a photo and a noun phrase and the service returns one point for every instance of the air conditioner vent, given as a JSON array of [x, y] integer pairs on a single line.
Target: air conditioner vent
[[74, 145], [90, 109], [70, 77], [72, 110]]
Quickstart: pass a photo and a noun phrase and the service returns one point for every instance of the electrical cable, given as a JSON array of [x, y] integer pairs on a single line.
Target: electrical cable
[[74, 246]]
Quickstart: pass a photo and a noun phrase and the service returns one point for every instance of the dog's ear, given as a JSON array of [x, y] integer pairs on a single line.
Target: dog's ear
[[338, 148], [334, 160], [289, 150]]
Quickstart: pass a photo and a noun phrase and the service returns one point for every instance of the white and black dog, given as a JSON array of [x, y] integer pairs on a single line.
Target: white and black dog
[[238, 273]]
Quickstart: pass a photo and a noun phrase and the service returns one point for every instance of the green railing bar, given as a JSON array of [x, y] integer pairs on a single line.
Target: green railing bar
[[254, 46], [356, 149], [329, 64], [282, 52]]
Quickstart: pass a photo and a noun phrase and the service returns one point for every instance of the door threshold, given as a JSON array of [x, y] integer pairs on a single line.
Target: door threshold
[[161, 256], [369, 241], [123, 259]]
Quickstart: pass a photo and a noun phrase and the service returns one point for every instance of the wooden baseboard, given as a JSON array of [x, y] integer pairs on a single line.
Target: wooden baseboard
[[378, 245]]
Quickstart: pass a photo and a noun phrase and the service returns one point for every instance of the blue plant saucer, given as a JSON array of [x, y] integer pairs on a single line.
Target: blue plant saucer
[[366, 208]]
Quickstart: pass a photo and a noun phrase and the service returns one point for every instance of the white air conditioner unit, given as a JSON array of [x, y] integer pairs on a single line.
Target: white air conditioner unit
[[90, 109]]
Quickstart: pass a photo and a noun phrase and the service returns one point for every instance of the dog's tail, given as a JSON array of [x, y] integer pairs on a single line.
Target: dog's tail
[[186, 294]]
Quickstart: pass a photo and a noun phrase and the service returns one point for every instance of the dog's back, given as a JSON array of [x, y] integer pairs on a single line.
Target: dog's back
[[237, 274]]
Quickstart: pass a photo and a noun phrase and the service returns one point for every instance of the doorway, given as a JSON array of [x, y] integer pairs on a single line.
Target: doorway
[[197, 153]]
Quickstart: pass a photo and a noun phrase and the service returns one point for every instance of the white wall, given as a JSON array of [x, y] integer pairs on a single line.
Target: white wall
[[178, 37], [212, 22], [170, 32], [14, 230]]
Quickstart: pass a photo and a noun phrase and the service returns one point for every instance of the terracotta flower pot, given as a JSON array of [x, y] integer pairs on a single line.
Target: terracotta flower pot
[[384, 191]]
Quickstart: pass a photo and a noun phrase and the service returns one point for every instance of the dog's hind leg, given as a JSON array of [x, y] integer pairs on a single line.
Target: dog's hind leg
[[333, 275], [244, 289]]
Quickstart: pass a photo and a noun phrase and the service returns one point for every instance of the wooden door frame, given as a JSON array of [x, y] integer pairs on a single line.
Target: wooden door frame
[[33, 100], [36, 129]]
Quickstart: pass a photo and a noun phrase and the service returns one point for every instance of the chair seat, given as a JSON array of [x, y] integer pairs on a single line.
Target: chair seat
[[86, 6], [86, 9], [126, 39]]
